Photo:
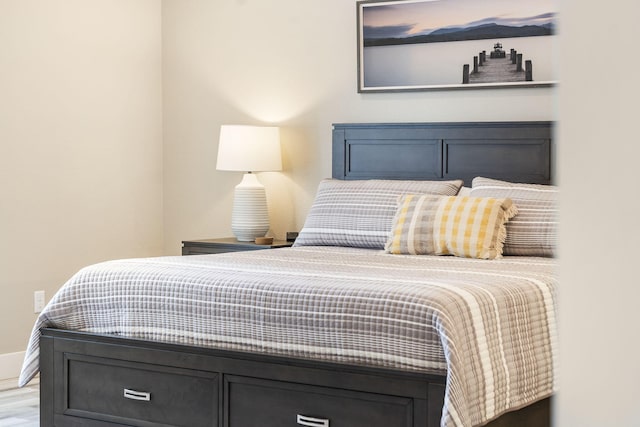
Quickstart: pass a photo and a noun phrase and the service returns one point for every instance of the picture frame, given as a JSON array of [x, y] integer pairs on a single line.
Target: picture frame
[[420, 45]]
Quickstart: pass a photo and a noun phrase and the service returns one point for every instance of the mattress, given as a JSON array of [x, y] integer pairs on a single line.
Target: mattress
[[489, 326]]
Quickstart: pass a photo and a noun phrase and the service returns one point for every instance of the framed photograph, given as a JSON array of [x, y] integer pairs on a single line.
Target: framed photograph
[[407, 45]]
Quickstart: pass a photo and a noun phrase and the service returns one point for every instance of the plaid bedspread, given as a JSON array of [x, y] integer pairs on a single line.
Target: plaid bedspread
[[489, 325]]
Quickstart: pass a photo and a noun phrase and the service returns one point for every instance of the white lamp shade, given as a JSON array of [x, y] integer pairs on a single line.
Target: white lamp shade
[[249, 148]]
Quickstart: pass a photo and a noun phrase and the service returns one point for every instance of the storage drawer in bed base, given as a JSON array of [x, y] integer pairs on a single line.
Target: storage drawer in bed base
[[230, 389], [84, 377]]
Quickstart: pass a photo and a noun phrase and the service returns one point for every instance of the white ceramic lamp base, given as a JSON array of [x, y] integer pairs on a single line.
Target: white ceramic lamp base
[[250, 217]]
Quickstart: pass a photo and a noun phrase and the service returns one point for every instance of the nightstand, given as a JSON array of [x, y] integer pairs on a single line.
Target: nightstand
[[227, 244]]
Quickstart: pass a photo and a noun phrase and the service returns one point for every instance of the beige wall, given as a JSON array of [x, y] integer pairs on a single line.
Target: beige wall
[[290, 63], [80, 137], [80, 144]]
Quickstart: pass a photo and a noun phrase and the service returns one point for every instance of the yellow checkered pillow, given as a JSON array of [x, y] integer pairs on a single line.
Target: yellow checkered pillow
[[472, 227]]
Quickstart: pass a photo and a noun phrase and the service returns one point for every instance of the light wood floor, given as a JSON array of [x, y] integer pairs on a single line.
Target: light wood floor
[[19, 406]]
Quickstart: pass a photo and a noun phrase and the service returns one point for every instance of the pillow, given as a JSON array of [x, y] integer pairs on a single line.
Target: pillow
[[533, 232], [464, 191], [472, 227], [359, 213]]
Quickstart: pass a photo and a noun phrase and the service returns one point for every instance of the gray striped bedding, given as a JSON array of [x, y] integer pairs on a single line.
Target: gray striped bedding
[[533, 231], [489, 325], [360, 213]]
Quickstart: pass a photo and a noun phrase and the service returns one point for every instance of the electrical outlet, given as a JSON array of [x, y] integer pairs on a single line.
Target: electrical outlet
[[38, 301]]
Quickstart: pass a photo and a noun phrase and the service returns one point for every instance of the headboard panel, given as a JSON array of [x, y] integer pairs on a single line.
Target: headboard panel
[[512, 151]]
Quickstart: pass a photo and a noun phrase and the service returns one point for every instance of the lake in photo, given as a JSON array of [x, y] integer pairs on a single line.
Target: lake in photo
[[441, 63]]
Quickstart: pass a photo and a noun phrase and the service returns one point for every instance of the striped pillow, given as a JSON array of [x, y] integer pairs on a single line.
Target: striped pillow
[[533, 232], [471, 227], [359, 213]]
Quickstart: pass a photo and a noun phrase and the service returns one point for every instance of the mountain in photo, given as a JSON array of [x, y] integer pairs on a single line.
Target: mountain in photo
[[479, 32]]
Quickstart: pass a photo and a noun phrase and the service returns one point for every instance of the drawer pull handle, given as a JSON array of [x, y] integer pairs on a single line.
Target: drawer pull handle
[[137, 395], [312, 422]]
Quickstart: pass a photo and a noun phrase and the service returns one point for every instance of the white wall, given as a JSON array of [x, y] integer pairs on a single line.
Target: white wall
[[598, 149], [80, 145], [290, 63]]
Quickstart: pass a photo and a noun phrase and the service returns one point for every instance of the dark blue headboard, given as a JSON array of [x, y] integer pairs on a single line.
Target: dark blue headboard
[[512, 151]]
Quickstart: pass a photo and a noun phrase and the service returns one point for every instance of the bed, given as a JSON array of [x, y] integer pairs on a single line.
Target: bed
[[334, 331]]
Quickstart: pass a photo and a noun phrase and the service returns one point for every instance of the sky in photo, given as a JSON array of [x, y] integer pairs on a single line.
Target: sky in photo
[[402, 19]]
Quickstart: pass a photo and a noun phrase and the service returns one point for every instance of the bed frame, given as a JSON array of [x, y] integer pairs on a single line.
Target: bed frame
[[513, 151], [98, 380]]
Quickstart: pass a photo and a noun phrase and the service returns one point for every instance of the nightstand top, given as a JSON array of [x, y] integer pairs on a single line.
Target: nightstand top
[[232, 244]]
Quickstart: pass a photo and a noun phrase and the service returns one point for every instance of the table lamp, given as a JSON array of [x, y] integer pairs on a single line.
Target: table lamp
[[249, 149]]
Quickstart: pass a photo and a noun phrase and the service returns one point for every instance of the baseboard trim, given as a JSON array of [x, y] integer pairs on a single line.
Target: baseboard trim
[[10, 365]]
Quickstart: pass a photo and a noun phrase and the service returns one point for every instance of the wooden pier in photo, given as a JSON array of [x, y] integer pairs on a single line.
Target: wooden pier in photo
[[498, 68]]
